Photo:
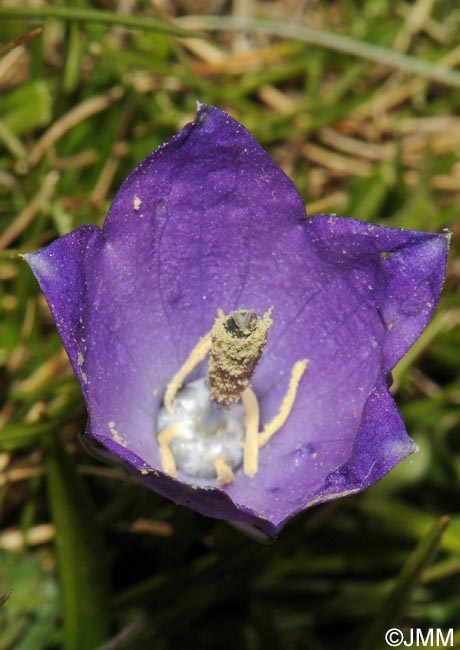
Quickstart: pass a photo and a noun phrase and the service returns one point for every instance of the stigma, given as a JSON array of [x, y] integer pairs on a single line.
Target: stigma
[[237, 343], [210, 428]]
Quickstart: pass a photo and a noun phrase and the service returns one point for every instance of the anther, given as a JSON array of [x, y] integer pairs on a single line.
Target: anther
[[251, 421], [280, 418], [224, 472], [168, 462], [196, 356]]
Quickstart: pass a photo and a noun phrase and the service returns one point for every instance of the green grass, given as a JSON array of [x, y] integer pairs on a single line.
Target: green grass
[[361, 112]]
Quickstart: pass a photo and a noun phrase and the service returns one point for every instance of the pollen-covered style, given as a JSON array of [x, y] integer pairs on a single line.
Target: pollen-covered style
[[234, 353]]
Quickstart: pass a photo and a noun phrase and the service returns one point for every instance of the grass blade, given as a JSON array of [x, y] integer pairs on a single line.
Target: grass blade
[[80, 14], [81, 558], [405, 584], [329, 40]]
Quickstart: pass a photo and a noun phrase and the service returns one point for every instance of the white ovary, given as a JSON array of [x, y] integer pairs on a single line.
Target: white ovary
[[207, 431]]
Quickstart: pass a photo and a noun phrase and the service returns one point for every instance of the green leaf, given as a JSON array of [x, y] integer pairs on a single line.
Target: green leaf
[[26, 107], [29, 617]]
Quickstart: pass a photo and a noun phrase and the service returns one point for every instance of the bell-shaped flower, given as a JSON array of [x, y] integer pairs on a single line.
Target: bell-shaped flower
[[234, 353]]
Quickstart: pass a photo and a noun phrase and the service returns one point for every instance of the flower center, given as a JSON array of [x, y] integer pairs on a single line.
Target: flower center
[[210, 428], [206, 434]]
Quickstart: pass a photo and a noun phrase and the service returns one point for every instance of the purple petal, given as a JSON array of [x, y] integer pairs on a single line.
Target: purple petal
[[61, 270], [405, 283], [208, 222]]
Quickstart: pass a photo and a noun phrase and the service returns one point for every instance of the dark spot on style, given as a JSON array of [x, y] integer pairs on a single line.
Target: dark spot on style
[[241, 323]]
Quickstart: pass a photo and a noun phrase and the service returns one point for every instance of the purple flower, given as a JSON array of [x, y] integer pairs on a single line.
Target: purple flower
[[207, 235]]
